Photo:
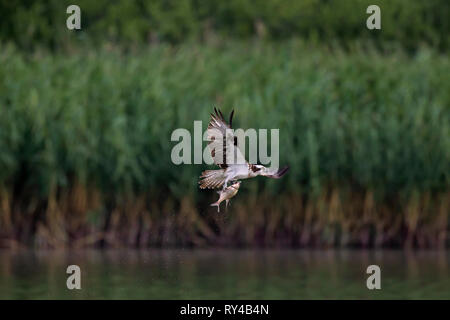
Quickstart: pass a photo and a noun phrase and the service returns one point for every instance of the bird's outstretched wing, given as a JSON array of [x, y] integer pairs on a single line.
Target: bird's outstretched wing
[[222, 141], [275, 173]]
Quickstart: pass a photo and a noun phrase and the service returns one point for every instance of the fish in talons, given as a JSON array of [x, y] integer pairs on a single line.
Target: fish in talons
[[226, 194]]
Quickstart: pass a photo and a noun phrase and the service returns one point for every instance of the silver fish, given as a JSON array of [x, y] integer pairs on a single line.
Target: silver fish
[[226, 194]]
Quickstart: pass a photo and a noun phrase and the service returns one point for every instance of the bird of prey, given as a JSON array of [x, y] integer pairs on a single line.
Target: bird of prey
[[223, 147]]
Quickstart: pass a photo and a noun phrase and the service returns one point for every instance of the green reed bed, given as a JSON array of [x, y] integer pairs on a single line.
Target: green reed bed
[[85, 145], [404, 22]]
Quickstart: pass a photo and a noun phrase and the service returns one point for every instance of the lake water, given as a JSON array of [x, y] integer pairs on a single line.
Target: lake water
[[224, 274]]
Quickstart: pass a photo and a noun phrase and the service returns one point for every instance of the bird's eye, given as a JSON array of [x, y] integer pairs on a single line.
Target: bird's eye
[[255, 168]]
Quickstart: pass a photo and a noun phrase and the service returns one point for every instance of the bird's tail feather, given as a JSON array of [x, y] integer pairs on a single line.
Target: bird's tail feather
[[211, 179]]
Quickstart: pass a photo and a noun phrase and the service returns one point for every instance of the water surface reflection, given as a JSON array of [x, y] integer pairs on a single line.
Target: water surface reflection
[[224, 274]]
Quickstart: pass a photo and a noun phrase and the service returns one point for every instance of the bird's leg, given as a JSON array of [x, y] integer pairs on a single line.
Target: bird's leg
[[218, 207], [225, 184], [226, 204]]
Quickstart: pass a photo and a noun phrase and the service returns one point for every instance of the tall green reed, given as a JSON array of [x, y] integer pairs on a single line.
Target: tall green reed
[[358, 122]]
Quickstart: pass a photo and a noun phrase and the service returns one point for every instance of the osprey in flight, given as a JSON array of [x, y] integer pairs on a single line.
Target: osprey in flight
[[223, 147]]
